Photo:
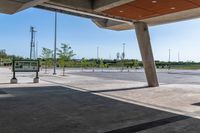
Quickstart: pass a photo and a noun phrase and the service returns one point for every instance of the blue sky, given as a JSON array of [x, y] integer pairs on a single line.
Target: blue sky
[[84, 36]]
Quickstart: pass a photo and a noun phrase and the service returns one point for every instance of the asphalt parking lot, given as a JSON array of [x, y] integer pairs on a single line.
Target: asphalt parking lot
[[172, 77]]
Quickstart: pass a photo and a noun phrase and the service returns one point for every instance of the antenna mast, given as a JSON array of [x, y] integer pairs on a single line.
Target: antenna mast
[[33, 48]]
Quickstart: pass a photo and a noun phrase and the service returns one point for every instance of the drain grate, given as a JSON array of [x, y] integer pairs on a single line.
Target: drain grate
[[196, 104]]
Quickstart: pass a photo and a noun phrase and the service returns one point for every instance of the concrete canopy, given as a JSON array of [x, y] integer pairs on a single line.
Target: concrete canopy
[[114, 14]]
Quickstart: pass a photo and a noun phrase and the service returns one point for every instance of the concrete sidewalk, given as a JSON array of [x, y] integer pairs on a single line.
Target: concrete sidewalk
[[174, 98]]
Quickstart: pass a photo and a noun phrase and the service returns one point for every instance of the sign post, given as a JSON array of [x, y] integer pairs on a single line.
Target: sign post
[[13, 80], [25, 66]]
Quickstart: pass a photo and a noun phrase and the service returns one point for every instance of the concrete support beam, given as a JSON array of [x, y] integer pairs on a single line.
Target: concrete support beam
[[112, 25], [143, 37], [79, 4], [9, 7], [31, 4], [83, 13], [102, 5]]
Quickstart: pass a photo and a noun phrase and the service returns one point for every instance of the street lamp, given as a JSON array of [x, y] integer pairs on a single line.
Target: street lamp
[[169, 59], [55, 47], [123, 54]]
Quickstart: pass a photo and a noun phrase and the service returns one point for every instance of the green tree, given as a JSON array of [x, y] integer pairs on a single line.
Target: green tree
[[93, 65], [84, 63], [101, 65], [3, 54], [118, 55], [70, 64], [47, 55], [136, 64], [65, 54], [122, 61]]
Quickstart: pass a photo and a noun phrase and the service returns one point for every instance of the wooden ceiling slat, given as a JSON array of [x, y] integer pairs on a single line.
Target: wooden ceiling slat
[[142, 9], [197, 2]]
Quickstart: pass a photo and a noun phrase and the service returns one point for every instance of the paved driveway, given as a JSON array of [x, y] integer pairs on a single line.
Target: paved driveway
[[174, 77]]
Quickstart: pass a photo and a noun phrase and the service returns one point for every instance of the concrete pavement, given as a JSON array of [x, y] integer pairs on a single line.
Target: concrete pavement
[[77, 103]]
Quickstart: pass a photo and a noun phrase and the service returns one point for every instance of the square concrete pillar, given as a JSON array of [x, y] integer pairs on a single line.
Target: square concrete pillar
[[13, 81], [144, 42]]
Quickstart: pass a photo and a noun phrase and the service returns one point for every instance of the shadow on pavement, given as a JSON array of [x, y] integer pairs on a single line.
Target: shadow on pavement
[[56, 109], [2, 92]]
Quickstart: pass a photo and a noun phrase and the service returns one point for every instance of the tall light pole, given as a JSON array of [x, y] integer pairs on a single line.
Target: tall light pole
[[169, 55], [97, 53], [178, 56], [123, 54], [169, 58], [55, 43]]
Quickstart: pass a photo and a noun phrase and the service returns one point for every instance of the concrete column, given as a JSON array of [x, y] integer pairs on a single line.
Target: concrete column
[[144, 42]]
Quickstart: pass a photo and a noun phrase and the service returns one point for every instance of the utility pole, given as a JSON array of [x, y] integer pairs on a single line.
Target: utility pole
[[55, 45], [32, 47]]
